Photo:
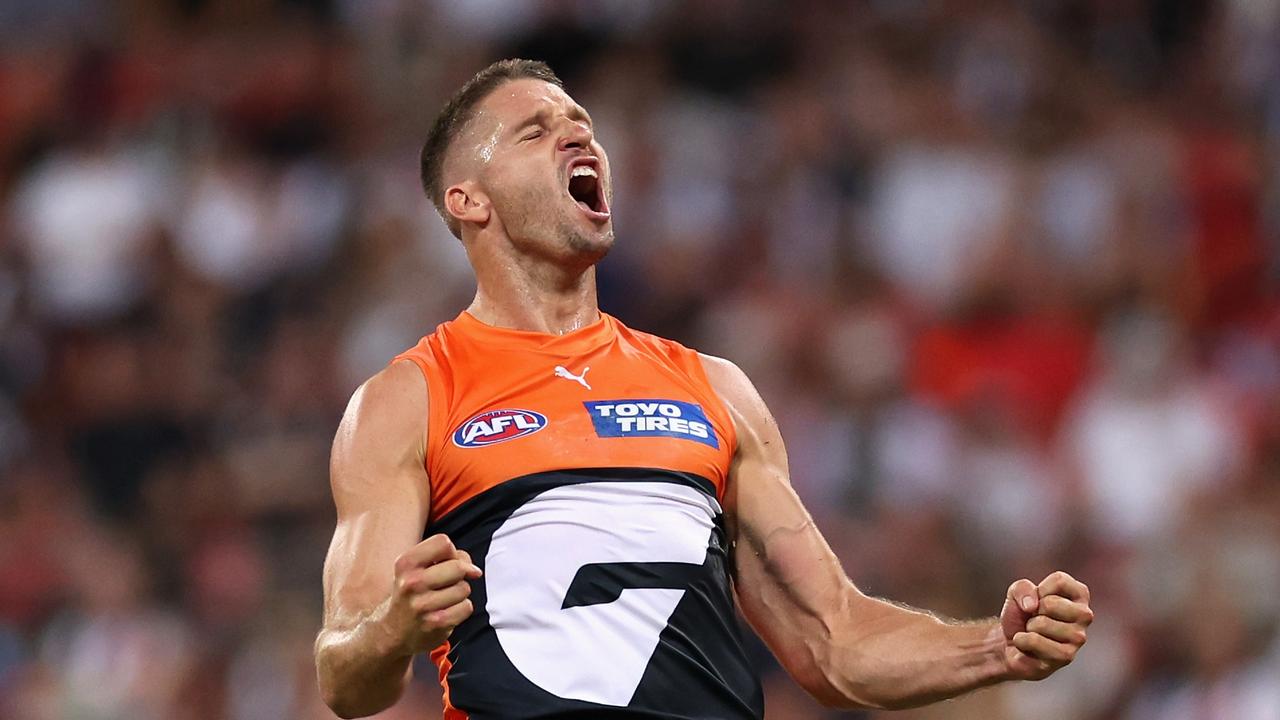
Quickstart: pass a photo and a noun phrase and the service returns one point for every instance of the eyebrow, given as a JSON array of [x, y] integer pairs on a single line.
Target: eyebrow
[[537, 118], [576, 112]]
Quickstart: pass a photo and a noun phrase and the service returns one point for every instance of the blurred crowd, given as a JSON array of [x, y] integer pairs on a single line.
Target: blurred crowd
[[1008, 273]]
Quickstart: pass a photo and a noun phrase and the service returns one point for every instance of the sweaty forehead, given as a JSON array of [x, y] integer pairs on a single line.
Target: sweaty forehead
[[515, 101]]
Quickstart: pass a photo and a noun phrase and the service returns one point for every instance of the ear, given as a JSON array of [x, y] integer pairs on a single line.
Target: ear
[[467, 203]]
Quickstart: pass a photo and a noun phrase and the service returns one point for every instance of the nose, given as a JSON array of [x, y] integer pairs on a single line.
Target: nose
[[575, 136]]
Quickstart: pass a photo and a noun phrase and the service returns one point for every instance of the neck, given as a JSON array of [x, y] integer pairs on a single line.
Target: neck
[[535, 296]]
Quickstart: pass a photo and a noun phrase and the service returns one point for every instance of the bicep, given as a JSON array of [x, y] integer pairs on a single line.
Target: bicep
[[789, 583], [785, 570], [380, 491]]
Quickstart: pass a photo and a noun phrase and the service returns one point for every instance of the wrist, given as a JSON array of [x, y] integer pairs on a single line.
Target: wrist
[[982, 647], [994, 667], [386, 637]]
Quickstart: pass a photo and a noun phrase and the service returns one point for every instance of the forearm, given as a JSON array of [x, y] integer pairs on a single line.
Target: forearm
[[900, 658], [847, 649], [361, 669]]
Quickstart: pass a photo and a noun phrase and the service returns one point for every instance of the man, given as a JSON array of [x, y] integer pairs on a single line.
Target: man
[[594, 498]]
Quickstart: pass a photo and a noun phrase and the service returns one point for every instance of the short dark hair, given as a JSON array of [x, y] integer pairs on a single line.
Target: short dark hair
[[459, 111]]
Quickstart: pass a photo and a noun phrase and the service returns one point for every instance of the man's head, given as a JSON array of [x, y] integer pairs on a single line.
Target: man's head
[[512, 147]]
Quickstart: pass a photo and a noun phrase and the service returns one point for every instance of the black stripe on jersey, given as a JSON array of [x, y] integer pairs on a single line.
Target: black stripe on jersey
[[698, 670], [504, 498]]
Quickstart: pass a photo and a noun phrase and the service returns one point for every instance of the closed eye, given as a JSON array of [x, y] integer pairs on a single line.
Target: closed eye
[[531, 135]]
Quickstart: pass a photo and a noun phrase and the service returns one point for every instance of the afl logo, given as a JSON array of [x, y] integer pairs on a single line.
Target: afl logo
[[495, 426]]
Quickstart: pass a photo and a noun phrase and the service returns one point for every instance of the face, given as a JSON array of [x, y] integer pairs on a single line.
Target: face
[[533, 156]]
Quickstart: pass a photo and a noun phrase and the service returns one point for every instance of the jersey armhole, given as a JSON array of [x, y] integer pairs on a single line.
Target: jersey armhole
[[435, 415], [721, 408]]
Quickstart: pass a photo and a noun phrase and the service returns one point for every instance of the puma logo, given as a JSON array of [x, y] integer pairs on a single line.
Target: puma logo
[[563, 372]]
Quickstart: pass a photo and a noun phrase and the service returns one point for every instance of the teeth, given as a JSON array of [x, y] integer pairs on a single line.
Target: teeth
[[586, 170]]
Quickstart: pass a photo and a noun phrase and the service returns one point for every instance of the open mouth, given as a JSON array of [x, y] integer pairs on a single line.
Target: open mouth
[[586, 190]]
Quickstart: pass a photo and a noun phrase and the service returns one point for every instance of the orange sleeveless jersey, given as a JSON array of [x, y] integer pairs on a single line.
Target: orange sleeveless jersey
[[583, 473], [472, 368]]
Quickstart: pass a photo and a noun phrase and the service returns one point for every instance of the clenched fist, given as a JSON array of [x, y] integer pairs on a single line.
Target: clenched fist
[[430, 594], [1044, 625]]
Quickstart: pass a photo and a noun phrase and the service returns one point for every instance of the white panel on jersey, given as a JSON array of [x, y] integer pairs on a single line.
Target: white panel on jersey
[[596, 653]]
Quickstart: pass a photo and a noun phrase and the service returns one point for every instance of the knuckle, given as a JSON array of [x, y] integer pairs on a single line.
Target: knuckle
[[438, 543], [405, 585]]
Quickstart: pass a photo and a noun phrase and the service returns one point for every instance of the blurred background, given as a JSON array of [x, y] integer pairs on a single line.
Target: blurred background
[[1006, 272]]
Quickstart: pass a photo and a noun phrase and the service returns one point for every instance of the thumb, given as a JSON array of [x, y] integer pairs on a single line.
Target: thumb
[[1021, 602], [1023, 593]]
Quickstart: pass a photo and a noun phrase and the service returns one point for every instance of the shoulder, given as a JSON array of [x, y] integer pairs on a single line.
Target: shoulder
[[388, 408], [655, 342], [429, 347], [689, 360], [400, 385], [750, 414], [726, 377], [378, 451]]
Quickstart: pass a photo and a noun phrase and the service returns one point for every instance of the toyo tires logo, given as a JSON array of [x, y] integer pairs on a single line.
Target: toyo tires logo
[[652, 418]]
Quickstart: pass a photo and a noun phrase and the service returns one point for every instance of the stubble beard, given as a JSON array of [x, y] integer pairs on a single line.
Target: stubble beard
[[580, 244], [553, 230]]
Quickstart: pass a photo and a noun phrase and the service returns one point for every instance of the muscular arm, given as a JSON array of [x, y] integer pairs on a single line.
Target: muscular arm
[[387, 595], [845, 648]]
